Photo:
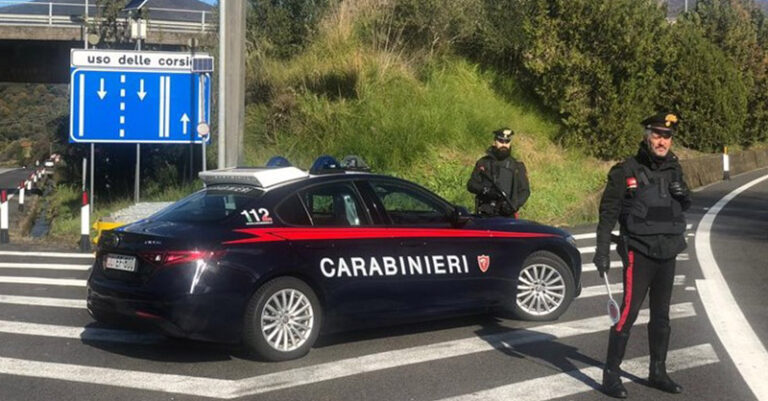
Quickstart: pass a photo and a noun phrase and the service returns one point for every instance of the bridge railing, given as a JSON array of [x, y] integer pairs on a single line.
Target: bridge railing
[[56, 14]]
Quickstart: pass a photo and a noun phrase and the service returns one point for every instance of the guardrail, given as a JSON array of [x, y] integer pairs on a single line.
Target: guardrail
[[68, 15]]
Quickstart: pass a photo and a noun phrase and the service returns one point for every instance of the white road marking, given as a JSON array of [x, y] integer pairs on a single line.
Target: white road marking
[[590, 267], [41, 301], [229, 389], [598, 290], [591, 249], [161, 382], [48, 254], [572, 383], [614, 232], [44, 266], [729, 322], [81, 333], [45, 281], [683, 257]]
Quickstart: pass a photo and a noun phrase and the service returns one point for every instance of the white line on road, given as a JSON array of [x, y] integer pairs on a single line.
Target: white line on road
[[65, 282], [44, 266], [81, 333], [590, 267], [48, 254], [591, 249], [448, 349], [292, 377], [40, 301], [598, 290], [729, 322], [573, 382], [614, 232]]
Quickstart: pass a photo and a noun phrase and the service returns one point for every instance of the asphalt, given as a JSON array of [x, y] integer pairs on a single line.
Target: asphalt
[[426, 361]]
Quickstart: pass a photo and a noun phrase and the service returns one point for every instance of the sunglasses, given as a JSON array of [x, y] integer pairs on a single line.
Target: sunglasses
[[500, 140]]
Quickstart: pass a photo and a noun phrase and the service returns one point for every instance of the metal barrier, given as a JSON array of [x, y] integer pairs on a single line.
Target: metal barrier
[[68, 15]]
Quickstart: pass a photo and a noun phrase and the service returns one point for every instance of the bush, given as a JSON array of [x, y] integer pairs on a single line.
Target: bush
[[706, 88]]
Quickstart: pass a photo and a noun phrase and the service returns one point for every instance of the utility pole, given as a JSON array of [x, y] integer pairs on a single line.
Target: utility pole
[[231, 81]]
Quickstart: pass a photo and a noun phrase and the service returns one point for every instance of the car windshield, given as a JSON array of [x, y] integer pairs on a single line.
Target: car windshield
[[210, 205]]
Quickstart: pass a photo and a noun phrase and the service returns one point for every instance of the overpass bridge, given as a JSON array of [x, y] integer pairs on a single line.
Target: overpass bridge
[[36, 36]]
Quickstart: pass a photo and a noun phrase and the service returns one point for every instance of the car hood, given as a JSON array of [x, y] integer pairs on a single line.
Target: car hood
[[513, 225]]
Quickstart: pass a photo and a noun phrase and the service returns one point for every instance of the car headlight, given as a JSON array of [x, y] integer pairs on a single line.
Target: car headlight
[[571, 240]]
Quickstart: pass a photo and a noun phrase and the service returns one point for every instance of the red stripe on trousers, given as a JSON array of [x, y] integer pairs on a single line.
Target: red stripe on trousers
[[628, 291]]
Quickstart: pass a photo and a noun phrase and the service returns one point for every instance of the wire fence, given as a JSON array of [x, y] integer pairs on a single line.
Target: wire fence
[[61, 14]]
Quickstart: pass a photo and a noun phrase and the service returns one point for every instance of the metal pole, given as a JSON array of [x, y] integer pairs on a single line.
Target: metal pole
[[93, 190], [201, 114], [686, 5], [85, 170], [85, 27], [222, 86], [136, 185]]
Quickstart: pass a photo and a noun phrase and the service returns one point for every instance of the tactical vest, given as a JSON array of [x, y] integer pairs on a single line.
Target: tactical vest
[[505, 176], [649, 209]]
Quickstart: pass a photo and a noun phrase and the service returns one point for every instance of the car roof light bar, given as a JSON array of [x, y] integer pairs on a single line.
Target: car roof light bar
[[263, 177]]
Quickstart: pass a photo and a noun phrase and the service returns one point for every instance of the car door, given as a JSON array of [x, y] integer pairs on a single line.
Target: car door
[[442, 261], [345, 254]]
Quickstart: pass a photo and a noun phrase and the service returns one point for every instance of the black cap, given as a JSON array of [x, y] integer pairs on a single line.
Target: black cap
[[662, 123], [503, 133]]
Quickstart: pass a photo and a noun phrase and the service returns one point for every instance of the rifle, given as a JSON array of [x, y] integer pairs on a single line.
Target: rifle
[[498, 188]]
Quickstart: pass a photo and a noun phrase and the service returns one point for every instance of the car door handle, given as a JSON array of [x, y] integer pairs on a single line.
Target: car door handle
[[412, 243]]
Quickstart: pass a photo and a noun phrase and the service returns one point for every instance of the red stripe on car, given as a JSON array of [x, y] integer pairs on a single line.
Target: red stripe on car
[[308, 234]]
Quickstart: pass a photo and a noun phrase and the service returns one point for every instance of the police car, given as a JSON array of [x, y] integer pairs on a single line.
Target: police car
[[271, 256]]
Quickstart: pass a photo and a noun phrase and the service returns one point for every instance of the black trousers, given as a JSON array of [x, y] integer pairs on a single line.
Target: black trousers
[[646, 275]]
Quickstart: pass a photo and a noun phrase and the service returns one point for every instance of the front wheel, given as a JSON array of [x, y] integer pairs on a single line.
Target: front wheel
[[282, 320], [545, 288]]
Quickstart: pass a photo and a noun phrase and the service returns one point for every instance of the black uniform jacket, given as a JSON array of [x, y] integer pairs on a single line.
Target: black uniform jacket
[[618, 199], [509, 174]]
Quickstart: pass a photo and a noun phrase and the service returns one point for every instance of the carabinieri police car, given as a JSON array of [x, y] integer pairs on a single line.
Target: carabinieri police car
[[271, 256]]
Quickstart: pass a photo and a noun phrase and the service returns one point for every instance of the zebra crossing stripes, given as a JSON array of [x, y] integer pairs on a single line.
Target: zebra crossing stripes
[[45, 266], [573, 382]]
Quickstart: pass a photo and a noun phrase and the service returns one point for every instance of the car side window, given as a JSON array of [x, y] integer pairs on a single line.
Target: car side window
[[291, 211], [408, 206], [334, 205]]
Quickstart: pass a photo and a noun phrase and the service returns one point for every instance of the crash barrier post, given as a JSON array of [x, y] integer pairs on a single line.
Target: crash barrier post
[[21, 196], [4, 239], [29, 184], [85, 215], [726, 164], [34, 178]]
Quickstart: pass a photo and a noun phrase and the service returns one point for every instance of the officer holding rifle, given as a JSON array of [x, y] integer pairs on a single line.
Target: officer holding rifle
[[499, 182]]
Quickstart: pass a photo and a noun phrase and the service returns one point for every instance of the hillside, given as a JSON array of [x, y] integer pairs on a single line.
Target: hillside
[[426, 119]]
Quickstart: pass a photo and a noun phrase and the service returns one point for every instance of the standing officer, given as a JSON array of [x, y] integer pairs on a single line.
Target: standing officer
[[499, 182], [647, 195]]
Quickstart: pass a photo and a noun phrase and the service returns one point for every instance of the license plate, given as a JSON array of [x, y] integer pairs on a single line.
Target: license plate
[[121, 262]]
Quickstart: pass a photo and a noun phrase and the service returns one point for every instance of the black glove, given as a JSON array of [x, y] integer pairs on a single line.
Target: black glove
[[507, 210], [602, 262], [491, 193], [678, 189]]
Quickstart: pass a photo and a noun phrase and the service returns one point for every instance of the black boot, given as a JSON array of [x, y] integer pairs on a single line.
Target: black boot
[[658, 342], [612, 386]]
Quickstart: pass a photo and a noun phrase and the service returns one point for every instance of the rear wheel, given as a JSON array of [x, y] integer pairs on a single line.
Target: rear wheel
[[545, 288], [282, 320]]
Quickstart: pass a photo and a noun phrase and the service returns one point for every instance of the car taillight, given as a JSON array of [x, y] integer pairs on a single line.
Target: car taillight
[[171, 258]]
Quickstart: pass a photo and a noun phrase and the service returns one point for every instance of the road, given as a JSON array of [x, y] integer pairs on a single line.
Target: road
[[10, 178], [50, 347]]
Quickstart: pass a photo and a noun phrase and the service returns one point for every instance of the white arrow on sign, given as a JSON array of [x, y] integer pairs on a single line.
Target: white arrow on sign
[[185, 121], [141, 92], [101, 91]]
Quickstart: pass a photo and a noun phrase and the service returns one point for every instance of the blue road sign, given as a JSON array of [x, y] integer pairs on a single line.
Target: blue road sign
[[133, 105]]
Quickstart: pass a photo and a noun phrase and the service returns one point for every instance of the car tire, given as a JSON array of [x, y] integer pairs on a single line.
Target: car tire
[[544, 288], [282, 320]]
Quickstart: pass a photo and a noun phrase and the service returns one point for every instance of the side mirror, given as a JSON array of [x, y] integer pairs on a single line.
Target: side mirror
[[459, 216]]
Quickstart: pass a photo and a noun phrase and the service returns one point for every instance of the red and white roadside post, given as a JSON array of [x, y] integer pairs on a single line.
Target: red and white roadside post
[[726, 164], [21, 196], [34, 178], [4, 239], [85, 217], [29, 184]]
